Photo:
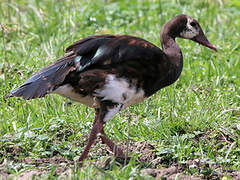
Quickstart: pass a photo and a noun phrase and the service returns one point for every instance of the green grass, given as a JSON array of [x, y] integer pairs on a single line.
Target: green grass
[[198, 117]]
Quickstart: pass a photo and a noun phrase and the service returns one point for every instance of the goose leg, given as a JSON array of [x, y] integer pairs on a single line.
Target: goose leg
[[107, 108], [118, 152], [98, 127], [91, 139]]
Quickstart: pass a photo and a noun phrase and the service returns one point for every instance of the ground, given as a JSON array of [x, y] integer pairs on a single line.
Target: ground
[[147, 159], [189, 130]]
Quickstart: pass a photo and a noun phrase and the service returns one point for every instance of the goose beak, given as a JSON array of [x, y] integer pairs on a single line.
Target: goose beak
[[201, 39]]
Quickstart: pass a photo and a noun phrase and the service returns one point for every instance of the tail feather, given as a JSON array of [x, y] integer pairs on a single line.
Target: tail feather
[[46, 80]]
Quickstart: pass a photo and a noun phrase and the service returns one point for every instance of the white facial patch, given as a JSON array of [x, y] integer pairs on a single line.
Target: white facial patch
[[190, 31]]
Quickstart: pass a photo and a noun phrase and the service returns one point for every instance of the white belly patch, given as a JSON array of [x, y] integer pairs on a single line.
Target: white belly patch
[[68, 91], [119, 90]]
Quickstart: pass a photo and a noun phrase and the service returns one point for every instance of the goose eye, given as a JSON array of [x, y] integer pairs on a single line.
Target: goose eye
[[193, 24]]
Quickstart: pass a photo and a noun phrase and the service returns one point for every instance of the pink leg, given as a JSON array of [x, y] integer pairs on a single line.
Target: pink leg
[[92, 137], [98, 127], [118, 153]]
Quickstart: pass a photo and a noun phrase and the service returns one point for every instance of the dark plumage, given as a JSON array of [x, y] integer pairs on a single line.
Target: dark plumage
[[111, 72]]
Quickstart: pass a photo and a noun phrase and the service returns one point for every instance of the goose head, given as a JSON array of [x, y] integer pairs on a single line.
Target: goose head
[[183, 26]]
